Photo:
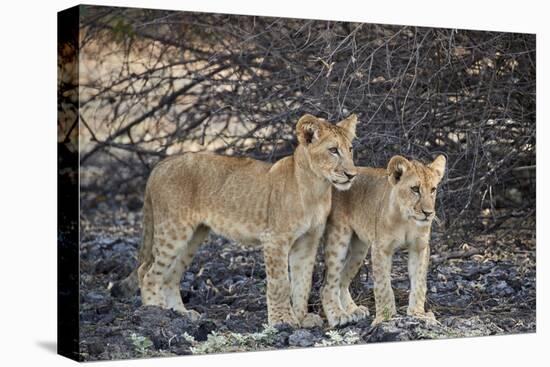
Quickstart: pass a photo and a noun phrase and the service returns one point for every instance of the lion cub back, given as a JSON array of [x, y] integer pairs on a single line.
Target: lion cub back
[[229, 194]]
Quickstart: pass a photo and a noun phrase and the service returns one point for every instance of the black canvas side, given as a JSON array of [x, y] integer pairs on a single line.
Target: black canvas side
[[67, 184]]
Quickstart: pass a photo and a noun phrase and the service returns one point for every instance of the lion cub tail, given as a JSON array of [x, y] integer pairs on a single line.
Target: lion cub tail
[[128, 286]]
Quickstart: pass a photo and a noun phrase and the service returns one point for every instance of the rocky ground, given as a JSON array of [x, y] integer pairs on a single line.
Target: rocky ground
[[481, 282]]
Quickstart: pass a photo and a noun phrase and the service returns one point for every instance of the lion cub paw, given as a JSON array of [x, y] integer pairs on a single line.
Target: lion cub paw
[[378, 320], [336, 319], [282, 320], [312, 320], [342, 318], [359, 313], [427, 316]]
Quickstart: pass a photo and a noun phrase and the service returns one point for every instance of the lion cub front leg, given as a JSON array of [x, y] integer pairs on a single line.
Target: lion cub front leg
[[382, 254], [336, 249], [419, 255], [302, 261], [356, 255], [279, 309]]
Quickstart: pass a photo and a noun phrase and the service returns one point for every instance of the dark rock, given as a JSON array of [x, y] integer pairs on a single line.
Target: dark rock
[[135, 319], [254, 306], [96, 348], [94, 297], [472, 270], [107, 319], [363, 324], [104, 306], [106, 266], [501, 288], [384, 333], [134, 203], [301, 338], [108, 331], [125, 247], [182, 350], [107, 242], [160, 341], [281, 339], [205, 328], [180, 324], [283, 326]]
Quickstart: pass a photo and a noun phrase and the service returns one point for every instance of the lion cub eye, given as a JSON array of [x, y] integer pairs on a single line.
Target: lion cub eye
[[334, 151], [433, 190], [415, 189]]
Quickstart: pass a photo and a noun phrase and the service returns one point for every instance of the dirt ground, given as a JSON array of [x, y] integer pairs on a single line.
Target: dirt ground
[[481, 282]]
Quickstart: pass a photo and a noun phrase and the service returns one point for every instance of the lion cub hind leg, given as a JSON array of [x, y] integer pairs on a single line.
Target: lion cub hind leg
[[279, 310], [336, 249], [419, 255], [302, 261], [178, 267], [173, 249], [356, 256], [383, 292]]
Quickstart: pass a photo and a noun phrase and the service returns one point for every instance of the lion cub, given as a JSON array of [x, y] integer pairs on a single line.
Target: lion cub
[[385, 209], [282, 207]]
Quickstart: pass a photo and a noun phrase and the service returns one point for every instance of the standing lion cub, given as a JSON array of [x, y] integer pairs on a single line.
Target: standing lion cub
[[281, 206], [385, 209]]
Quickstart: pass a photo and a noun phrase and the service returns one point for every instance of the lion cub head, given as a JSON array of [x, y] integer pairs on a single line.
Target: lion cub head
[[328, 148], [414, 187]]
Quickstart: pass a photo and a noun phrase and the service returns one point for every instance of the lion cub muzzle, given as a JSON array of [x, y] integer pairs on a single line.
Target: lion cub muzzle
[[344, 182]]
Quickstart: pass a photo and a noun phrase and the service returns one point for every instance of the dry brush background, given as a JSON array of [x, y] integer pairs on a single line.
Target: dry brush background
[[158, 82]]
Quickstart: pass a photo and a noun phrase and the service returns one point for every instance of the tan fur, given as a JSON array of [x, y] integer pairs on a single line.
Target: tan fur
[[281, 206], [382, 212]]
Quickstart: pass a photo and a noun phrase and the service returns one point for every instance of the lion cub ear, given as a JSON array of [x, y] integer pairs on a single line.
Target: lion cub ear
[[349, 124], [308, 129], [438, 165], [397, 166]]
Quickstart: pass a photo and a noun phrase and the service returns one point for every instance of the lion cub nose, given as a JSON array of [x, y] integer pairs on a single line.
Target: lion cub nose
[[350, 176], [427, 213]]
